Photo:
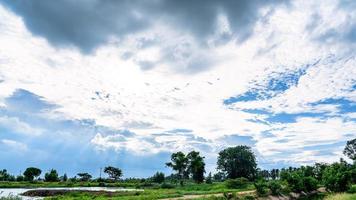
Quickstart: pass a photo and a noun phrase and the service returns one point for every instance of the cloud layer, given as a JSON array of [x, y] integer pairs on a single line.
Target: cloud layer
[[135, 79]]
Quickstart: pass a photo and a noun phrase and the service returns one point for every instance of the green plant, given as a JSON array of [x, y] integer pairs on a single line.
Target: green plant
[[261, 187], [336, 177], [236, 183], [167, 186], [275, 187], [352, 189]]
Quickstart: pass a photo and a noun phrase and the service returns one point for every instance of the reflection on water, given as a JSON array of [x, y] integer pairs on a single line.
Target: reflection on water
[[6, 192]]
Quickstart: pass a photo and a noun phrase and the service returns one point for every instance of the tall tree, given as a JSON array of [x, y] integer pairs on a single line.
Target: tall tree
[[113, 172], [350, 149], [84, 176], [31, 173], [196, 166], [179, 163], [158, 177], [51, 176], [237, 162]]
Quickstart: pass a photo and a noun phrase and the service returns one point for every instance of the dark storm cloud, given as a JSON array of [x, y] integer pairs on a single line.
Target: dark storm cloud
[[90, 23]]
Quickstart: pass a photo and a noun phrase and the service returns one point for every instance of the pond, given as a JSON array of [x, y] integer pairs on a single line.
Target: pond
[[6, 192]]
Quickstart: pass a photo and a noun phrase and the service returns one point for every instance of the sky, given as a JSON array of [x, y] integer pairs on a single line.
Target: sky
[[86, 84]]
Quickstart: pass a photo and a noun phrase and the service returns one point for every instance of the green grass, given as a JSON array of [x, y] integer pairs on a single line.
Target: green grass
[[341, 196], [156, 193]]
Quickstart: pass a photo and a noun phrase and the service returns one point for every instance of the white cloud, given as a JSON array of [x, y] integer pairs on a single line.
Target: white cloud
[[117, 93], [14, 145], [18, 126]]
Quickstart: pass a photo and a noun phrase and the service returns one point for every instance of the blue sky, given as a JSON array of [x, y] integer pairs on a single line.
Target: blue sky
[[88, 84]]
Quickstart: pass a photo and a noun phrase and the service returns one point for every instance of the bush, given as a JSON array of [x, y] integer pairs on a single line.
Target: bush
[[337, 178], [310, 184], [275, 187], [236, 183], [261, 187], [167, 186], [248, 197], [51, 176], [352, 189], [158, 177]]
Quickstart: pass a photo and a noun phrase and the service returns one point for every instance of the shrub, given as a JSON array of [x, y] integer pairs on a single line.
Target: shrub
[[261, 187], [337, 177], [167, 186], [352, 189], [275, 187], [310, 184], [51, 176], [236, 183], [249, 197], [158, 177]]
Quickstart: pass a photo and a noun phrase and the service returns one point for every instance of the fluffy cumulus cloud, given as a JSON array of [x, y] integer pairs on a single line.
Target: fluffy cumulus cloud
[[135, 80]]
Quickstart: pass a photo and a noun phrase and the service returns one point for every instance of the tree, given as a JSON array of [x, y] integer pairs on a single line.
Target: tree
[[31, 173], [350, 149], [196, 166], [52, 176], [219, 176], [179, 163], [274, 174], [4, 175], [209, 179], [65, 177], [113, 172], [158, 177], [84, 176], [337, 177], [237, 162]]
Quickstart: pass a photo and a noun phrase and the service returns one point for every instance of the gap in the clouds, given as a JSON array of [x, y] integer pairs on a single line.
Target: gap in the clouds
[[276, 84], [344, 105], [291, 118]]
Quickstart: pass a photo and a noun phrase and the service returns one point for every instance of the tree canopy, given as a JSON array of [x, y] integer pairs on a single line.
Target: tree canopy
[[113, 172], [237, 162], [350, 149], [31, 172]]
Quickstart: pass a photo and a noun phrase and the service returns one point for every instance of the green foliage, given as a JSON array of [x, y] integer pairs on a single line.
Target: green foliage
[[236, 183], [275, 187], [167, 186], [310, 184], [158, 177], [179, 163], [237, 162], [261, 188], [84, 176], [31, 172], [248, 197], [219, 176], [113, 172], [65, 178], [337, 177], [196, 166], [20, 178], [52, 176], [209, 179], [352, 189], [350, 149]]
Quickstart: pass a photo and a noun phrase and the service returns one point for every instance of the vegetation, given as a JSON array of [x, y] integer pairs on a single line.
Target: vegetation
[[113, 172], [237, 171], [237, 162], [31, 173], [52, 176]]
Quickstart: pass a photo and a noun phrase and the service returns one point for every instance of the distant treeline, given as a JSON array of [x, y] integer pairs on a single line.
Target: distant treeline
[[236, 166]]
